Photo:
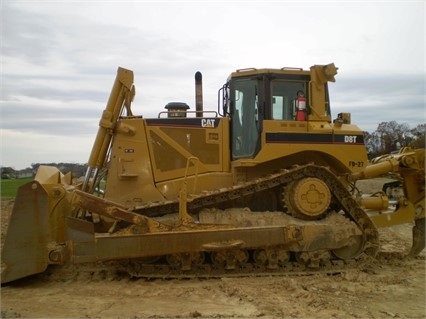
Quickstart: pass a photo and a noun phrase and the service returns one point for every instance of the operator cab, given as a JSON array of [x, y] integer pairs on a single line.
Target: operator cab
[[253, 95]]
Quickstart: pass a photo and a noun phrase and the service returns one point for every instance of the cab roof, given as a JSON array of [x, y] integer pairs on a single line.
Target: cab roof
[[282, 71]]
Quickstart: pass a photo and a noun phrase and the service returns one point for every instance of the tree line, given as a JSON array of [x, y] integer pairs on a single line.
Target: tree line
[[391, 136], [76, 170]]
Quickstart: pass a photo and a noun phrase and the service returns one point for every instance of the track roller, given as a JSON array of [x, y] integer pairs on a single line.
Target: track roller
[[313, 259], [230, 259], [272, 258], [185, 260]]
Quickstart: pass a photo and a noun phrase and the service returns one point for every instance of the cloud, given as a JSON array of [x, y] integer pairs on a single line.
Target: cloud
[[59, 60], [372, 99]]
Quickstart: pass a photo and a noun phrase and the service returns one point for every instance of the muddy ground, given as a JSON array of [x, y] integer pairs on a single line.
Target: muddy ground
[[393, 286]]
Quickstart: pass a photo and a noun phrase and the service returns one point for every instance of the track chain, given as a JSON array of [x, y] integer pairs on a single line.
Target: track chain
[[162, 271], [347, 204]]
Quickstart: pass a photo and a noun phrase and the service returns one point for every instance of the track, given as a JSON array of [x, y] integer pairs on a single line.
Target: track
[[163, 271], [246, 262]]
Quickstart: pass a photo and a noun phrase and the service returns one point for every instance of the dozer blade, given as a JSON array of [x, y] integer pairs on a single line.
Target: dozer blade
[[24, 250], [419, 240]]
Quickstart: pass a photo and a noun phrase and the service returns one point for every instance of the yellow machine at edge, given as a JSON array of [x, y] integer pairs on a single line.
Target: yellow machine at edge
[[263, 183]]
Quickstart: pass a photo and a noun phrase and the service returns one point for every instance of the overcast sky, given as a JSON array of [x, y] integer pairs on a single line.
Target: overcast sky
[[59, 60]]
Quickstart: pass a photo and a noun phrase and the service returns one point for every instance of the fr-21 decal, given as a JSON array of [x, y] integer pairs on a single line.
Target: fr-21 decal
[[356, 164]]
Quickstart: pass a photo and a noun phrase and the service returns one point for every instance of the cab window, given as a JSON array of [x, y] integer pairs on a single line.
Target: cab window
[[245, 117], [283, 95]]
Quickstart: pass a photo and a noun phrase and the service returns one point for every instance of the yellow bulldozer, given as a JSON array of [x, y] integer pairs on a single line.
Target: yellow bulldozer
[[264, 184]]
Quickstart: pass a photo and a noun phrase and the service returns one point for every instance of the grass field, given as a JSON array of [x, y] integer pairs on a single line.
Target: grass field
[[9, 187]]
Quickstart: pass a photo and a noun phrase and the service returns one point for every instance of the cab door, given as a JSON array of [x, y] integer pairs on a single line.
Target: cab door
[[246, 118]]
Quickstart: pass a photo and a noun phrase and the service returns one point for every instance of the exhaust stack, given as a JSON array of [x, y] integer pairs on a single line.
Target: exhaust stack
[[199, 93]]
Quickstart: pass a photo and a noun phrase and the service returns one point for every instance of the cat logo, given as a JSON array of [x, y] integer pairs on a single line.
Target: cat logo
[[207, 122]]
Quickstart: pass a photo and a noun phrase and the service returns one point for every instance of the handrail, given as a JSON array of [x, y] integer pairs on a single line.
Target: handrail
[[215, 114]]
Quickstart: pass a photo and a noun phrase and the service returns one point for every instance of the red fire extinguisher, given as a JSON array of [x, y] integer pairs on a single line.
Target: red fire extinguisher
[[300, 106]]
